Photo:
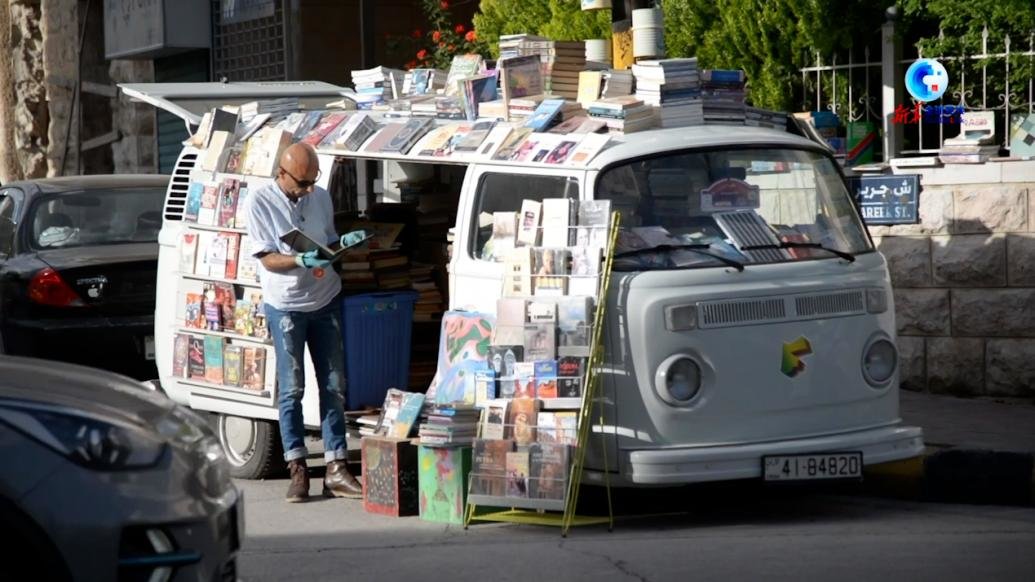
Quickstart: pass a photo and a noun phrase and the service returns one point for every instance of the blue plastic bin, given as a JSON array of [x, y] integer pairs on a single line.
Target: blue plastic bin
[[377, 329]]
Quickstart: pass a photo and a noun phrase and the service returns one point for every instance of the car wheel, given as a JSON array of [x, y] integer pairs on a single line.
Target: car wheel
[[252, 446]]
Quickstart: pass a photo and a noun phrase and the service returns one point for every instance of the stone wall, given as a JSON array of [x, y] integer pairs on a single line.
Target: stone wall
[[136, 151], [964, 280], [31, 112], [60, 27]]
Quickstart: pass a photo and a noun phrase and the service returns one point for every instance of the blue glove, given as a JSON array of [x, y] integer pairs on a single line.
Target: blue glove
[[350, 238], [310, 260]]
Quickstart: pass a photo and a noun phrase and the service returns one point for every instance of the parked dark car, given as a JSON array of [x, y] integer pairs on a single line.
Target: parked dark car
[[104, 479], [78, 265]]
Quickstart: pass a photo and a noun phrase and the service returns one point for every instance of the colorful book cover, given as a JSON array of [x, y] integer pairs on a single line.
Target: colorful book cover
[[544, 115], [411, 131], [550, 270], [524, 380], [521, 419], [436, 139], [521, 76], [196, 357], [326, 125], [548, 471], [443, 474], [494, 140], [566, 426], [474, 138], [390, 480], [588, 148], [510, 146], [450, 146], [475, 90], [494, 425], [233, 365], [363, 128], [503, 362], [213, 311], [383, 137], [193, 204], [254, 368], [188, 252], [228, 199], [194, 315], [241, 212], [574, 321], [214, 359], [215, 256], [570, 372], [489, 467], [462, 66], [517, 474], [484, 387], [528, 228], [540, 342], [562, 152], [546, 379], [243, 322], [209, 205], [233, 244], [407, 416], [546, 428], [181, 349], [226, 299]]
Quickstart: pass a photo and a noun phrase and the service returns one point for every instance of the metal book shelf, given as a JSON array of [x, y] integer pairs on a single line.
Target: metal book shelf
[[561, 513]]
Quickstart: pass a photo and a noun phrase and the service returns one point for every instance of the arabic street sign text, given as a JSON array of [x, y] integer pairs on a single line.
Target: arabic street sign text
[[887, 199]]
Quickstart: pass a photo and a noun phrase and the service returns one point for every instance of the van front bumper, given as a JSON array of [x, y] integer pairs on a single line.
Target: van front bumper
[[727, 462]]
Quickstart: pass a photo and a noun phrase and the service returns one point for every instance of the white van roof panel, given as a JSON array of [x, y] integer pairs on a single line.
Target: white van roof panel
[[190, 101], [656, 141]]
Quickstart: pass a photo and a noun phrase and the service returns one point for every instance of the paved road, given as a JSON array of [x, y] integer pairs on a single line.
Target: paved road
[[717, 534]]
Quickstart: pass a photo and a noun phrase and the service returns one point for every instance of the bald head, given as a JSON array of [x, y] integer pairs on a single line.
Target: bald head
[[299, 170]]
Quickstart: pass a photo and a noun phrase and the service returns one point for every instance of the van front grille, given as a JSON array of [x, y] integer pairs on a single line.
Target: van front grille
[[788, 308], [176, 197]]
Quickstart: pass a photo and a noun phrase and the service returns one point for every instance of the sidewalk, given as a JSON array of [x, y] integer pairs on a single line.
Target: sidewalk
[[978, 451]]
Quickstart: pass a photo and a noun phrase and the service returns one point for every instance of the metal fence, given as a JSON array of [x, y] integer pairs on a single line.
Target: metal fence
[[978, 82]]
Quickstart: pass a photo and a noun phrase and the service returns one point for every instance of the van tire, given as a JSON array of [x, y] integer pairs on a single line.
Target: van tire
[[252, 446]]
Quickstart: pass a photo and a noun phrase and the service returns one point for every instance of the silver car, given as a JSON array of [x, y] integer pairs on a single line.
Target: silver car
[[102, 479]]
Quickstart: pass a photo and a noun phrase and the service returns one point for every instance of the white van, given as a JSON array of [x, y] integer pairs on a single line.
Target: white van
[[750, 353]]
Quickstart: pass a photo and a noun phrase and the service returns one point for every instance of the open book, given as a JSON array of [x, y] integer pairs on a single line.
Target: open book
[[301, 243]]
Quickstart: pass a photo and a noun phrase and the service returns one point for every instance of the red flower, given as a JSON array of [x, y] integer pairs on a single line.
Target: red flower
[[422, 54], [443, 5], [442, 45], [471, 36], [459, 28], [417, 33], [411, 65], [452, 47], [436, 36]]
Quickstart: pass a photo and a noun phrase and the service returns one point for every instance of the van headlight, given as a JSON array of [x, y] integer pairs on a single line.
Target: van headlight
[[879, 361], [876, 301], [678, 380]]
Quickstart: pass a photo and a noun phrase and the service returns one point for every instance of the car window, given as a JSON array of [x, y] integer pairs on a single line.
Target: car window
[[96, 217], [499, 192], [6, 224]]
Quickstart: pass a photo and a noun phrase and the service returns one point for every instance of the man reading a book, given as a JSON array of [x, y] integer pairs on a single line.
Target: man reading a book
[[299, 297]]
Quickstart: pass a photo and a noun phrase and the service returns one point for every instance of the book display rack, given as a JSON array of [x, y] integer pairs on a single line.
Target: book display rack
[[222, 346], [529, 453]]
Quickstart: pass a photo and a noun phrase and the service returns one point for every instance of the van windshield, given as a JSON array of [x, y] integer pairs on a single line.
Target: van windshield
[[717, 208]]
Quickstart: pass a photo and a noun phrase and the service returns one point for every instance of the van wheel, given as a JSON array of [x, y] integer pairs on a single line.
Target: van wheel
[[252, 446]]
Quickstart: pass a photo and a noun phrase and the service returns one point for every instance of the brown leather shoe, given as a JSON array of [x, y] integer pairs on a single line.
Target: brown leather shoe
[[339, 483], [298, 490]]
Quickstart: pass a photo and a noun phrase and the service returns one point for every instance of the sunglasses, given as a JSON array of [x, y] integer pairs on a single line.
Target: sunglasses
[[303, 183]]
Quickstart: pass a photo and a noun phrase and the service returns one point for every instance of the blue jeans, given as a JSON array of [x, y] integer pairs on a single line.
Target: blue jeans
[[321, 329]]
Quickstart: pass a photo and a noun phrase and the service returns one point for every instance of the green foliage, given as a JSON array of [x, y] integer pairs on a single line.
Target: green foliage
[[554, 19]]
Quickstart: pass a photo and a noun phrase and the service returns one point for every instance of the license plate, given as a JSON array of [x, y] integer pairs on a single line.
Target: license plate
[[149, 347], [818, 466]]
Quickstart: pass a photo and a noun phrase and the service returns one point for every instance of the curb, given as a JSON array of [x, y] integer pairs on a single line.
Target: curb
[[957, 476]]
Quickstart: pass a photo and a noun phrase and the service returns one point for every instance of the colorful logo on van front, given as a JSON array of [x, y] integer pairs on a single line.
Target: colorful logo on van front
[[793, 353], [926, 80]]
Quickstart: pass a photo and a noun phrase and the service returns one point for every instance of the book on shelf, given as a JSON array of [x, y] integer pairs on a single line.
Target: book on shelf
[[521, 419], [226, 299], [521, 76], [196, 357], [503, 362], [489, 466], [575, 318], [233, 365], [435, 140], [212, 310], [590, 85], [548, 470], [194, 315], [544, 115], [475, 90], [228, 199], [328, 123], [241, 211], [495, 418], [550, 270], [540, 341], [558, 216], [214, 158], [594, 219], [510, 146], [570, 373], [254, 368], [188, 252], [192, 204], [233, 249], [244, 322], [215, 252], [181, 349], [585, 270], [462, 66], [247, 264], [517, 273], [474, 138], [528, 229], [504, 236], [542, 310], [546, 379], [411, 131], [409, 410], [510, 321], [264, 151], [214, 359], [484, 387], [517, 473], [209, 205]]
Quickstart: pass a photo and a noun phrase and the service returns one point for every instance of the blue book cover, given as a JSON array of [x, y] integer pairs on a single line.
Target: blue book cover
[[546, 379], [409, 411], [190, 211], [544, 115]]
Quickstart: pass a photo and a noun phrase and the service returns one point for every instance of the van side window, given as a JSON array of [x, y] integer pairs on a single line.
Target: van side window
[[504, 193], [6, 224]]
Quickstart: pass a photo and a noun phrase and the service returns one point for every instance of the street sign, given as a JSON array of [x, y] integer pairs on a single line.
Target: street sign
[[887, 199]]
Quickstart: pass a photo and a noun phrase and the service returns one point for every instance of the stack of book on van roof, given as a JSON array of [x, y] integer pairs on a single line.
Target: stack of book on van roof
[[510, 44], [625, 114], [722, 91], [757, 117], [376, 85], [673, 87], [277, 109], [562, 62]]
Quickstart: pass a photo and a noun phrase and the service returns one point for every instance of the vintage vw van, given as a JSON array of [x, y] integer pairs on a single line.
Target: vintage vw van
[[762, 344]]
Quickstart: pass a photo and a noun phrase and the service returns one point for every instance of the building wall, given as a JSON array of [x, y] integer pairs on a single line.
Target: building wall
[[964, 281]]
